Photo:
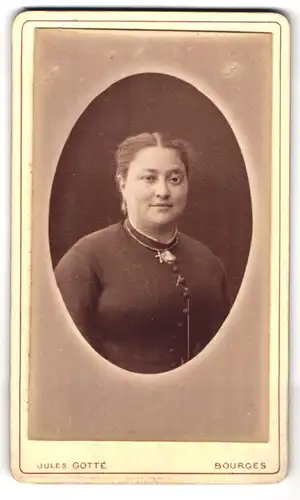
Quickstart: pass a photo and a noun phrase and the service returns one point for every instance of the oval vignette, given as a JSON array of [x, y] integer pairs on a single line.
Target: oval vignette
[[84, 196]]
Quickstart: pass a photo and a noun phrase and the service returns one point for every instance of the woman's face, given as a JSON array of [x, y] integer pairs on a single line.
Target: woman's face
[[156, 187]]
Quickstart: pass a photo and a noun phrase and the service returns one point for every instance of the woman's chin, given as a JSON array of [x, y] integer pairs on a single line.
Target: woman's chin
[[162, 219]]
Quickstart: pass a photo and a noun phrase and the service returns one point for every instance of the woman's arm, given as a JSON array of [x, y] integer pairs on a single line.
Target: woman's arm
[[223, 304], [79, 286]]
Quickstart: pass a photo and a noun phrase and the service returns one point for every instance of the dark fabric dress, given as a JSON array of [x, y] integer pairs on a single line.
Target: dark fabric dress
[[137, 311]]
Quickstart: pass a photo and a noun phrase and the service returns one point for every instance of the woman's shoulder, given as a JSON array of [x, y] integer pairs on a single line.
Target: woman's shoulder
[[199, 250], [100, 237], [90, 246], [193, 243]]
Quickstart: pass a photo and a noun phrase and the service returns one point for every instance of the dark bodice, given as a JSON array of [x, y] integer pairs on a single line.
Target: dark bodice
[[133, 309]]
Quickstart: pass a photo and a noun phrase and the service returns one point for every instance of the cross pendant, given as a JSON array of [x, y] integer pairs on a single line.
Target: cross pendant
[[159, 256]]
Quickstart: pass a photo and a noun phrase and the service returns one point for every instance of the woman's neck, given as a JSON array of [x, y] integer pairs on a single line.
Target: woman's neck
[[161, 234]]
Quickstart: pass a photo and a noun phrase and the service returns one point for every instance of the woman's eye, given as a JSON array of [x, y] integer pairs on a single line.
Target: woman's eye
[[175, 179], [149, 178]]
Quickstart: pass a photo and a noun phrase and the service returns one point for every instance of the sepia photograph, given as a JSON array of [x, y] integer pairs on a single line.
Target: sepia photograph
[[144, 295], [151, 241]]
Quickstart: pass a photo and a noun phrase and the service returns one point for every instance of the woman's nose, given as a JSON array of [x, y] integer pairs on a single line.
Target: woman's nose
[[162, 190]]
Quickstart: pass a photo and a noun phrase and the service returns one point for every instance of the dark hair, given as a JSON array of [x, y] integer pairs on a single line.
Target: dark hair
[[127, 150]]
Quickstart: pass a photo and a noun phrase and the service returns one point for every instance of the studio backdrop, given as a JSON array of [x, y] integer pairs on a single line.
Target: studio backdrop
[[84, 194]]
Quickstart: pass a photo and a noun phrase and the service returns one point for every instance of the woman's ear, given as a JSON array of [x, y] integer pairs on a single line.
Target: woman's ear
[[121, 183]]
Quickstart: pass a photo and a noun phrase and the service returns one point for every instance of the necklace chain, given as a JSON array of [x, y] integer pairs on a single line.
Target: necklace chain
[[152, 238], [159, 250]]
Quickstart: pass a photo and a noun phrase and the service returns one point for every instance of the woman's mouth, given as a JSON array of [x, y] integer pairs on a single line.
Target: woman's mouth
[[162, 205]]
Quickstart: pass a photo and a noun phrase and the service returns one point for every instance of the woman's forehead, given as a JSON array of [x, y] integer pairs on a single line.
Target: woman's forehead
[[157, 158]]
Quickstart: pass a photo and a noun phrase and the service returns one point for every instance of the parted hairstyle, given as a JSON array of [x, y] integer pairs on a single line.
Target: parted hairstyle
[[127, 150]]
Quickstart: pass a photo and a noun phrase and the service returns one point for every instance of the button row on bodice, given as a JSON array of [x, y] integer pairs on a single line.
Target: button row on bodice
[[183, 324], [181, 284]]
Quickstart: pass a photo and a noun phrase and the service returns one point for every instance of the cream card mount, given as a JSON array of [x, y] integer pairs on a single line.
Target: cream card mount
[[128, 368]]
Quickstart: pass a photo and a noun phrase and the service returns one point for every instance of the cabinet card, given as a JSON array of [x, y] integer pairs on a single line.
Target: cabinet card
[[150, 247]]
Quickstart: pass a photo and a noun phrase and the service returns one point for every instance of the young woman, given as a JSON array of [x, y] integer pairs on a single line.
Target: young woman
[[145, 296]]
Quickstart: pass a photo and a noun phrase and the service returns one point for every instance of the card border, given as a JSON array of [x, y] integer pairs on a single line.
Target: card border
[[34, 18]]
